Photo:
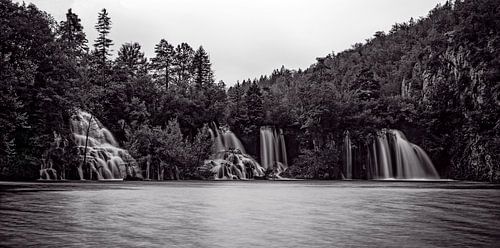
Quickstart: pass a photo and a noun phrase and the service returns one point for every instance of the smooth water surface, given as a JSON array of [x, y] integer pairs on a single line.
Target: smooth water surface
[[250, 214]]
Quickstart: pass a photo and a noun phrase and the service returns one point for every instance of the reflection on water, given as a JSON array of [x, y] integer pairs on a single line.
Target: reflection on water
[[249, 214]]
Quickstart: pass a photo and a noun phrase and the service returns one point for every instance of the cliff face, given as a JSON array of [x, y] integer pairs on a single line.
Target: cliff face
[[464, 90], [478, 100]]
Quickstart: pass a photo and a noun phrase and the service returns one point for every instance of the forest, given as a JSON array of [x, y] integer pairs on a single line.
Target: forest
[[436, 78]]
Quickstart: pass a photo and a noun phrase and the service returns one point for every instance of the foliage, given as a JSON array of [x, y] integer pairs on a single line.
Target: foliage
[[169, 154], [317, 164]]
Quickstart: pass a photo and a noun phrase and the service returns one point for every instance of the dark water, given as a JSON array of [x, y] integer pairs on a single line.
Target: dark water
[[250, 214]]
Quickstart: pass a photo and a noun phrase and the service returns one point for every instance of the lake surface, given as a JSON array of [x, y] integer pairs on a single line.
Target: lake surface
[[250, 214]]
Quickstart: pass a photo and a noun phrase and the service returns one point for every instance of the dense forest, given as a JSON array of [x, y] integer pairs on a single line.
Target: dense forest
[[436, 78]]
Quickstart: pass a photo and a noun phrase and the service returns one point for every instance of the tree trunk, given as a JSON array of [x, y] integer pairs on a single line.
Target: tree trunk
[[85, 149]]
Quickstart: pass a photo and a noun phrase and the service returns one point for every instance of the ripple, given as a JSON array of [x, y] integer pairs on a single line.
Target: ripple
[[249, 214]]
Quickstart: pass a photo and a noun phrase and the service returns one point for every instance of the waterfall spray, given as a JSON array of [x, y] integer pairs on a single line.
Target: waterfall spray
[[230, 160], [273, 150], [99, 149], [398, 158], [390, 156]]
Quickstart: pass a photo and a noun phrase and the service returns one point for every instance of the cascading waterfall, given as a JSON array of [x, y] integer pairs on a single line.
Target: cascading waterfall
[[393, 156], [47, 172], [273, 150], [230, 160], [104, 159]]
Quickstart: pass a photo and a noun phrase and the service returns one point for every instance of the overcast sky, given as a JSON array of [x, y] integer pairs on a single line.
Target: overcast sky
[[245, 38]]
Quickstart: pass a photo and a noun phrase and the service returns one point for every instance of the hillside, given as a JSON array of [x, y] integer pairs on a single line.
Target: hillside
[[436, 78]]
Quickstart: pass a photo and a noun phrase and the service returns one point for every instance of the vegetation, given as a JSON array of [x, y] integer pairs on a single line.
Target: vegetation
[[436, 78]]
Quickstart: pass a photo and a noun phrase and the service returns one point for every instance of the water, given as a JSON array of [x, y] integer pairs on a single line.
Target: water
[[273, 149], [225, 140], [105, 159], [229, 160], [410, 161], [250, 214], [390, 156], [347, 156]]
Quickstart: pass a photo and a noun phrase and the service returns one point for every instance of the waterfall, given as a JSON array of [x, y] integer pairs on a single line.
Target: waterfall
[[347, 156], [385, 164], [104, 159], [230, 160], [225, 140], [395, 157], [273, 149], [46, 170]]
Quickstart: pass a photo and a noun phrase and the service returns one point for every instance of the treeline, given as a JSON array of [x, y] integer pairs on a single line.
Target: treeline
[[436, 78]]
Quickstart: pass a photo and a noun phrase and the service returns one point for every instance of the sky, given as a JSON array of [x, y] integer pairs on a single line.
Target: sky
[[244, 38]]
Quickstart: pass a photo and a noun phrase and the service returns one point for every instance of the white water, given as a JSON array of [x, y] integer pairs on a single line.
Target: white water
[[396, 157], [105, 160], [385, 163], [347, 156], [273, 149], [391, 156], [230, 160]]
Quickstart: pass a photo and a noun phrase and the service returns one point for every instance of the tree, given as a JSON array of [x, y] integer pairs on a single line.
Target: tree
[[254, 108], [87, 132], [35, 81], [131, 60], [102, 42], [368, 87], [137, 113], [167, 153], [202, 69], [163, 62], [72, 37], [11, 118], [236, 116], [183, 61]]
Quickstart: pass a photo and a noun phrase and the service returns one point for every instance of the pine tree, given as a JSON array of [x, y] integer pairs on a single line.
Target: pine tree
[[164, 61], [236, 111], [131, 60], [183, 61], [103, 43], [254, 108], [202, 69], [71, 35]]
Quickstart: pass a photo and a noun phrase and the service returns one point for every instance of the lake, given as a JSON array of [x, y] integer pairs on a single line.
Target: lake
[[250, 214]]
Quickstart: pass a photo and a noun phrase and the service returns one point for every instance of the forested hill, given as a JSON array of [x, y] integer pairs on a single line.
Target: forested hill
[[436, 78]]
